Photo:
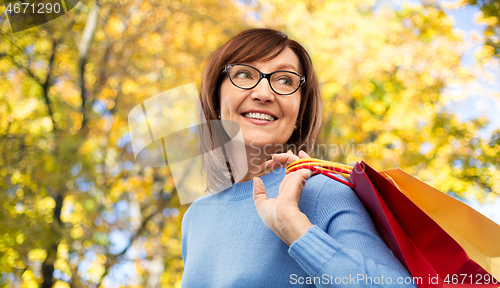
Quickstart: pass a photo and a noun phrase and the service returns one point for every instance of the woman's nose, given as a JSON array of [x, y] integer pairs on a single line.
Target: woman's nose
[[263, 92]]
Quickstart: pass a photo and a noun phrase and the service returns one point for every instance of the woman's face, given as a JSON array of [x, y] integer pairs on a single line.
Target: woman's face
[[236, 103]]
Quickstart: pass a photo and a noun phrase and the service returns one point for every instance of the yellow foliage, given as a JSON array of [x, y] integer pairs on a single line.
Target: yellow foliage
[[490, 21], [62, 250], [76, 232], [61, 284], [44, 206], [28, 280], [62, 265], [20, 238], [37, 255], [129, 87]]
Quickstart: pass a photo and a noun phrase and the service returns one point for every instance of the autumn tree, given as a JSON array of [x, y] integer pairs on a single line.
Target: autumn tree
[[490, 15], [76, 204]]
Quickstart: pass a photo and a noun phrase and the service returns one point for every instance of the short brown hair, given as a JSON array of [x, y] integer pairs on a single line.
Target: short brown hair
[[263, 44]]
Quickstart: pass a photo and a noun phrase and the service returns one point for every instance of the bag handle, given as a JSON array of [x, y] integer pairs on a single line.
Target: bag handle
[[326, 168]]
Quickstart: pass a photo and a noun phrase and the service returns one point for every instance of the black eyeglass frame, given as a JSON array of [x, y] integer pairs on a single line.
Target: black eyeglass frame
[[264, 75]]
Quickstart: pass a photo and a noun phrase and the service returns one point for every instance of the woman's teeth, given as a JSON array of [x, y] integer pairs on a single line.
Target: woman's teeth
[[259, 116]]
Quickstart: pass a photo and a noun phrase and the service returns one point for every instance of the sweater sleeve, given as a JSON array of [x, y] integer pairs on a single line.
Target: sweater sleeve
[[343, 247]]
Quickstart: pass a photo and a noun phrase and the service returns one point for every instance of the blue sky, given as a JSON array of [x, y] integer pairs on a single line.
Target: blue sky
[[464, 20], [481, 104]]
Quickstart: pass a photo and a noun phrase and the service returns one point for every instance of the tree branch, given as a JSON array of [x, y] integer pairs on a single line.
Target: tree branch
[[111, 262], [84, 47], [20, 66], [46, 84], [103, 77], [9, 111]]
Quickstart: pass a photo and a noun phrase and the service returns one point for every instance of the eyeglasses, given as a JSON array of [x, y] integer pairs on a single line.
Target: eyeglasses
[[247, 77]]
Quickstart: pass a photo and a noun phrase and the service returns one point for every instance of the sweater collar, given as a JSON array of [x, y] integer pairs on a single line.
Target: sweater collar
[[243, 190]]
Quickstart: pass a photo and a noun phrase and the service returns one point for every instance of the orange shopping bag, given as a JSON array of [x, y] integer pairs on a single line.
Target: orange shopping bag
[[478, 235]]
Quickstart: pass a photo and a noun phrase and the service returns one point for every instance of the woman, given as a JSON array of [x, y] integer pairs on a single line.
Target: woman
[[272, 230]]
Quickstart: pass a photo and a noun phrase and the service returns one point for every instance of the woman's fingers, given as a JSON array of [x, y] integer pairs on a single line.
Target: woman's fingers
[[259, 191], [283, 159], [305, 173], [287, 157], [296, 180], [271, 164], [264, 206], [303, 154]]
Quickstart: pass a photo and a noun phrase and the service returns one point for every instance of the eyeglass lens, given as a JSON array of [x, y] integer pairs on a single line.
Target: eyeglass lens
[[281, 82]]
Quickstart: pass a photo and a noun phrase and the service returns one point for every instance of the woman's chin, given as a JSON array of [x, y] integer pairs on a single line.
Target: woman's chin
[[268, 140], [260, 143]]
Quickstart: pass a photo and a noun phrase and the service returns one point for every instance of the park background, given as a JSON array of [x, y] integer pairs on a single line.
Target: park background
[[418, 80]]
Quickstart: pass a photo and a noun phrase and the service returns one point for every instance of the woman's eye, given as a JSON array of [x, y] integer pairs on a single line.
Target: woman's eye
[[285, 81], [242, 74]]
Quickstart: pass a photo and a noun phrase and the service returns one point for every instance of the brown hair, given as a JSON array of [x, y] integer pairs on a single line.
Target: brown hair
[[249, 46]]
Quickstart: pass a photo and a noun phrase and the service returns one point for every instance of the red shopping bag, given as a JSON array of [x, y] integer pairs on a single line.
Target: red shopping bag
[[419, 243], [432, 256]]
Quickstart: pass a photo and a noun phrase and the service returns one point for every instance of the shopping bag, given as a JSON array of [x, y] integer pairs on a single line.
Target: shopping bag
[[429, 253], [478, 235]]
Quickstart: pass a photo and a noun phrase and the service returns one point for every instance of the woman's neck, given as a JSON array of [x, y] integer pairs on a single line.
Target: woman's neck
[[256, 160], [256, 171]]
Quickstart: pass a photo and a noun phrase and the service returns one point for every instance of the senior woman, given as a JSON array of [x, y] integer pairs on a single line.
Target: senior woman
[[272, 230]]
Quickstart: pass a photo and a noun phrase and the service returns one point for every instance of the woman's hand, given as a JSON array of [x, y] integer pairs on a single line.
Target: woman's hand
[[282, 214]]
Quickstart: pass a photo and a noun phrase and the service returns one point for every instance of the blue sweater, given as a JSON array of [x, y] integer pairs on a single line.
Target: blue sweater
[[226, 244]]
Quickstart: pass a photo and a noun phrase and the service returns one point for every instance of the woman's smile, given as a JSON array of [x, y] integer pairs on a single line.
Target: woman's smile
[[259, 117]]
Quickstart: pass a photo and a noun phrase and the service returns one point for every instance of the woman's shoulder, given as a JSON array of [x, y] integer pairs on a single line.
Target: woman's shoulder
[[201, 203], [319, 186], [324, 197]]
